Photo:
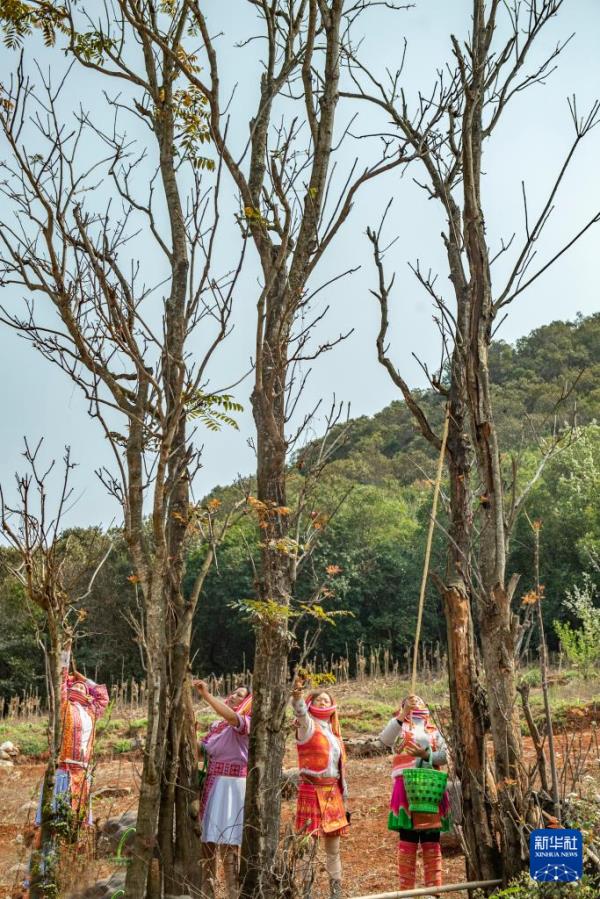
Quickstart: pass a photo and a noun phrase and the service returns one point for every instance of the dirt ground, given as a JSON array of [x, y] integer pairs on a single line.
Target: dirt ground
[[368, 852]]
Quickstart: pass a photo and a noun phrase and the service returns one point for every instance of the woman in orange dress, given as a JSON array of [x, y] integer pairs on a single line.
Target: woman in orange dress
[[322, 793], [82, 703]]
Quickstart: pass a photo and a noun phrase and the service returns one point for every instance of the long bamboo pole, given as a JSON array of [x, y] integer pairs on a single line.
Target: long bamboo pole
[[536, 525], [427, 891], [436, 494]]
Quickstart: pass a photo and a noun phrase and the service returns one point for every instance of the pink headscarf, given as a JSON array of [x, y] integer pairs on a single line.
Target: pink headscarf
[[243, 708]]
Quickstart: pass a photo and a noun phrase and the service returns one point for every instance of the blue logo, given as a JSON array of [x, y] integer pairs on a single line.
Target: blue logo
[[556, 855]]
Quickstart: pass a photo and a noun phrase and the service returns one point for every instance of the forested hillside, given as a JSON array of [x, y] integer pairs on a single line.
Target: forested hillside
[[370, 552]]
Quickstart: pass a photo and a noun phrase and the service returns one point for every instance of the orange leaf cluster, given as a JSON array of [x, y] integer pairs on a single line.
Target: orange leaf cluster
[[533, 596], [267, 511], [319, 520]]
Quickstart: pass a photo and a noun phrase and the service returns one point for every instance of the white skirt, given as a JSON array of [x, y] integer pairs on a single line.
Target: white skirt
[[224, 813]]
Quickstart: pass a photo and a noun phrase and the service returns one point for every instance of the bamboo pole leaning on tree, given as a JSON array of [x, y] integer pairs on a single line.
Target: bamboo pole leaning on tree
[[436, 494], [536, 527]]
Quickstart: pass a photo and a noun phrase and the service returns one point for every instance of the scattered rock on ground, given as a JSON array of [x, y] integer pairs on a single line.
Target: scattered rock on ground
[[9, 749], [102, 889], [450, 842], [112, 832], [112, 791]]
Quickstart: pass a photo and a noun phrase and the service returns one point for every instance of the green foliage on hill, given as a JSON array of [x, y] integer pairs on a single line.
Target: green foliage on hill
[[544, 381], [383, 467], [548, 381]]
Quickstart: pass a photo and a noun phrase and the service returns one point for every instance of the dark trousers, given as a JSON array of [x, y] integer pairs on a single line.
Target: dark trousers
[[420, 836]]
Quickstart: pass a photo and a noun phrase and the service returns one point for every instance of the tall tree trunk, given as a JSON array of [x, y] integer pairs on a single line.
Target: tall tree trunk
[[42, 865], [468, 699], [467, 695], [187, 829], [178, 830], [178, 838], [154, 748], [497, 624], [498, 628], [267, 734]]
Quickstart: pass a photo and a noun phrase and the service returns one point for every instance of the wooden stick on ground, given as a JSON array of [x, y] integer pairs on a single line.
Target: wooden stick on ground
[[427, 891]]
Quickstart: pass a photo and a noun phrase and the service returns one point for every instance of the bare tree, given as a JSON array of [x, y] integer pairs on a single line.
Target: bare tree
[[71, 235], [50, 567], [447, 130]]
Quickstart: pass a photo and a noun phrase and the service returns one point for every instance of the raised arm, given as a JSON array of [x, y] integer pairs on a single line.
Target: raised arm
[[65, 660], [98, 692], [220, 707], [304, 722], [99, 695], [391, 731]]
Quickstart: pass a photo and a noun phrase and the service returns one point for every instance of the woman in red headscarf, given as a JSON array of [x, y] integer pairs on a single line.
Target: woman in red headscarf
[[414, 739], [223, 794], [323, 791], [82, 703]]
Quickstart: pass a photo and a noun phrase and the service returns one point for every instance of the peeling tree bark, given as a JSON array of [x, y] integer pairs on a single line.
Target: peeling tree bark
[[467, 692], [496, 623]]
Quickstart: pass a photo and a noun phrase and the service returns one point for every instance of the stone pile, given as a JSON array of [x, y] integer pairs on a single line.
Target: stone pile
[[8, 753], [104, 889]]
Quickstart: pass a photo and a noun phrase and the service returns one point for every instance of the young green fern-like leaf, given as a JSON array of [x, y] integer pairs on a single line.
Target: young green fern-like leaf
[[213, 410]]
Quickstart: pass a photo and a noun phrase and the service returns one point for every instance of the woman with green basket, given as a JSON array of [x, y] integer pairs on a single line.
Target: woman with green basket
[[419, 807]]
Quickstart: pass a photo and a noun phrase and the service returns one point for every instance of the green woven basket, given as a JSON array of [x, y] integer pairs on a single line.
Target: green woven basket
[[424, 788]]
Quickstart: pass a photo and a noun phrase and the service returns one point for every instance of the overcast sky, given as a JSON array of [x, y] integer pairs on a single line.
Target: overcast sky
[[39, 401]]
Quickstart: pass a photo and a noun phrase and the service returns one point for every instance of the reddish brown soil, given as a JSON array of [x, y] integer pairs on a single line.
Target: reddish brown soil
[[368, 852]]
